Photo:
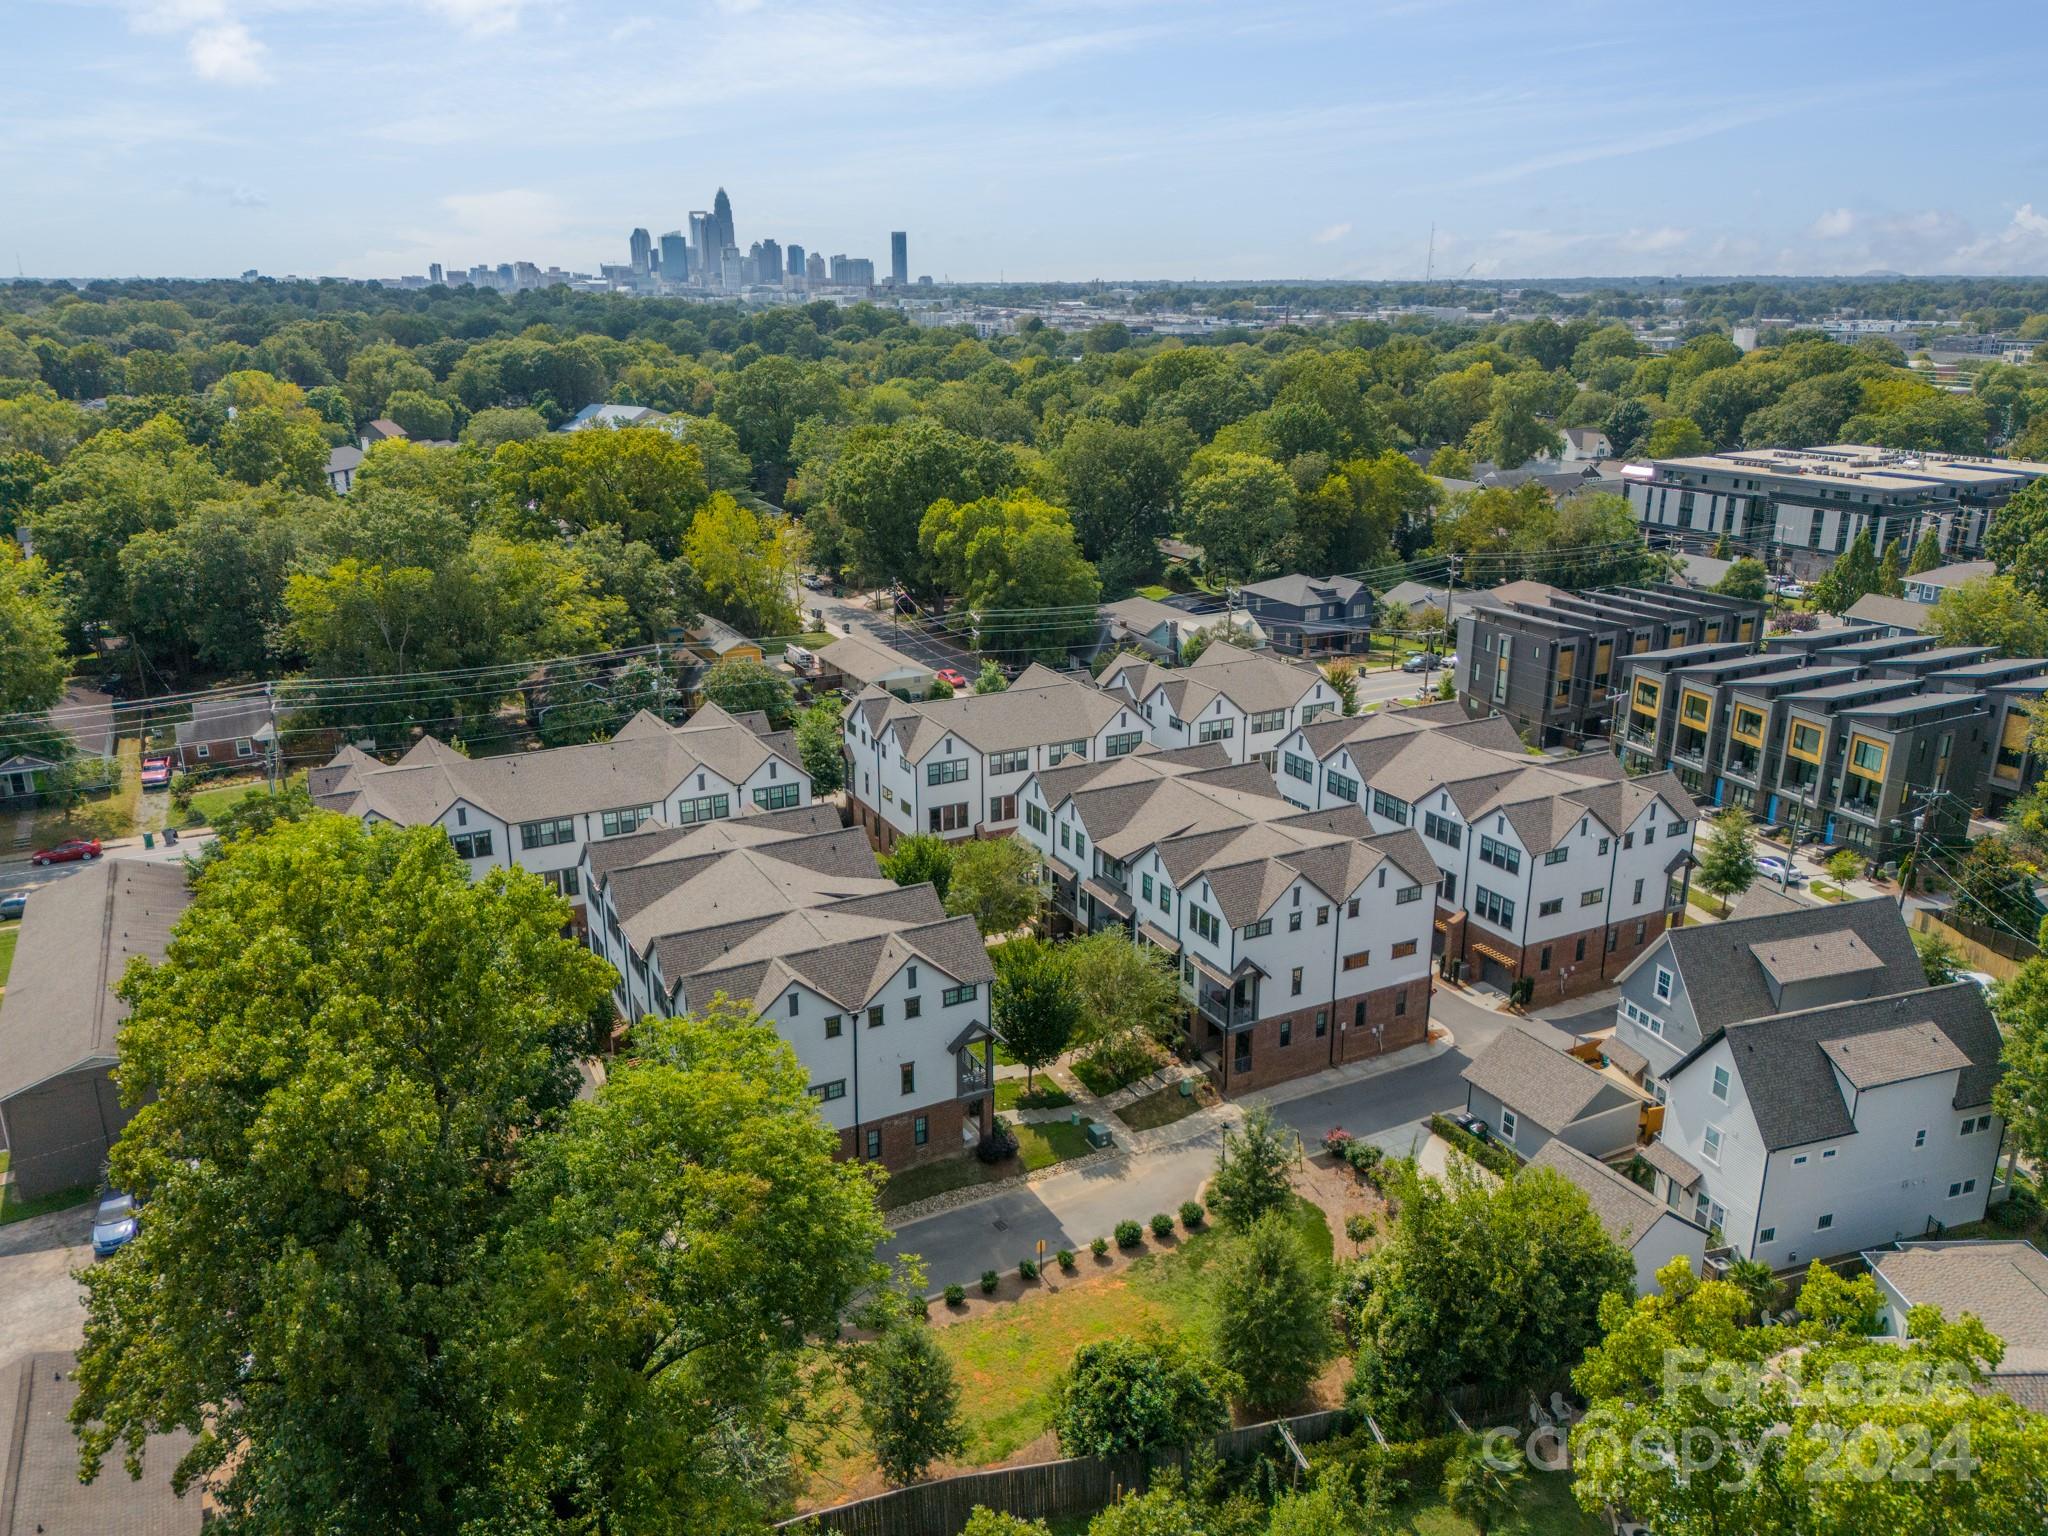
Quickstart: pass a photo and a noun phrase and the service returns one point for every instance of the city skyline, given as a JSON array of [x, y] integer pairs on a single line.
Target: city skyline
[[1596, 139]]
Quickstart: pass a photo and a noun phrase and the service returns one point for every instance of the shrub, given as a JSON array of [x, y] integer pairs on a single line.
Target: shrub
[[1493, 1158], [1364, 1157], [1098, 1246], [1162, 1225], [1066, 1258], [1337, 1140], [2017, 1211], [999, 1144], [1360, 1227], [989, 1282], [920, 1306], [1191, 1214], [1027, 1269], [955, 1295], [1128, 1234]]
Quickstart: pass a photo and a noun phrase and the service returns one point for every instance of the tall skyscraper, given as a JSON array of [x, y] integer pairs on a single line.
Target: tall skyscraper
[[675, 258], [643, 247], [704, 248], [814, 268], [434, 272], [730, 276], [721, 211], [796, 261], [899, 259], [769, 269]]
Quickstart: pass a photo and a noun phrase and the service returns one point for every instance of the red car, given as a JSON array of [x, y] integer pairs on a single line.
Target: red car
[[156, 772], [64, 853], [952, 677]]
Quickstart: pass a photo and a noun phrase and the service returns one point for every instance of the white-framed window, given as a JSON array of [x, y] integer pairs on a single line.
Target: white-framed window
[[1710, 1144], [1721, 1084], [1508, 1122], [1663, 985]]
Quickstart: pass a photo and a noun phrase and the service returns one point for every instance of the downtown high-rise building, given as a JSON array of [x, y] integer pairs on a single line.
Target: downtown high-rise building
[[675, 258], [769, 268], [721, 214], [434, 272], [643, 248], [899, 259], [814, 269], [796, 261], [703, 248]]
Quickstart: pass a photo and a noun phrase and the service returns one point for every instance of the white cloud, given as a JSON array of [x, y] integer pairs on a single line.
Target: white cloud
[[227, 51], [1332, 235], [1835, 224], [1655, 242], [2020, 247]]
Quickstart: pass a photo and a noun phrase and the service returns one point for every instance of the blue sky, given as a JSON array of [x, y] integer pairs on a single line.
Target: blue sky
[[1032, 138]]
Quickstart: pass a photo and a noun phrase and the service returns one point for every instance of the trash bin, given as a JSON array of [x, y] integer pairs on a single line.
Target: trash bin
[[149, 839]]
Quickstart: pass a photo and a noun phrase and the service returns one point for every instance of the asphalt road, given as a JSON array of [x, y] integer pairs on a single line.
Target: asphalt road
[[17, 874], [1068, 1209], [844, 616]]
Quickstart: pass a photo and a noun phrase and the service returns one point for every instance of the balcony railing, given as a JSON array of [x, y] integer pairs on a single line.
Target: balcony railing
[[1222, 1007], [974, 1078]]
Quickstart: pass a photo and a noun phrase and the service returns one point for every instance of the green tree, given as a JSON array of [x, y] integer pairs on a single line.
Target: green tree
[[1626, 426], [1844, 865], [496, 425], [1516, 428], [1343, 677], [1746, 579], [265, 445], [820, 742], [677, 1253], [1728, 857], [909, 1401], [1138, 1394], [1122, 485], [886, 479], [1271, 1315], [1887, 582], [423, 416], [1252, 1167], [1485, 1489], [1017, 558], [655, 592], [254, 812], [33, 659], [989, 1522], [1240, 509], [1034, 1009], [208, 592], [938, 688], [1993, 610], [1481, 1287], [1675, 437], [346, 1049], [1450, 462], [739, 685], [744, 567], [1163, 1510], [996, 882], [1940, 960], [765, 402], [920, 859], [1927, 553], [1758, 1282], [1129, 996], [640, 480], [2021, 1095], [990, 679]]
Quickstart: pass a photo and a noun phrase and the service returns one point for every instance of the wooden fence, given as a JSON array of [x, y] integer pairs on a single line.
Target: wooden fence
[[1079, 1485]]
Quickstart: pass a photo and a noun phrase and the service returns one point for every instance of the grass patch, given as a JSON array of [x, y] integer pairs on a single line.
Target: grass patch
[[1544, 1506], [14, 1209], [1157, 593], [208, 805], [10, 935], [1827, 892], [1102, 1078], [1040, 1146], [1010, 1094], [948, 1174], [1164, 1107], [1712, 905]]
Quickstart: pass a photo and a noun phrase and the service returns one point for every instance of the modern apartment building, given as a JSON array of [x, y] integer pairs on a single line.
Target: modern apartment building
[[2013, 698], [1302, 938], [1818, 1096], [538, 810], [1243, 701], [1556, 871], [1807, 505], [1546, 659], [883, 997], [953, 767]]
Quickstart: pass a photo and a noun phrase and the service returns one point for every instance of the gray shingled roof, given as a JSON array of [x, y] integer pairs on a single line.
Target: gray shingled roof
[[1894, 1055], [1299, 591], [1726, 983], [1788, 1071], [39, 1486], [1626, 1210], [1831, 953], [1548, 1087], [225, 720], [1663, 1157], [2003, 1283]]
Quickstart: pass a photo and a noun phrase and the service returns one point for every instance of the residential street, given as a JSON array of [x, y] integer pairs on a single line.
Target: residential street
[[1068, 1209], [18, 874]]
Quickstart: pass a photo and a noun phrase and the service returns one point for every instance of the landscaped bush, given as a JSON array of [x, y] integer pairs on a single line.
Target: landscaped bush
[[1364, 1157], [955, 1295], [1128, 1234], [989, 1282], [999, 1144], [1337, 1140], [2017, 1211], [920, 1307], [1162, 1225], [1360, 1227], [1027, 1269], [1066, 1259], [1191, 1214], [1488, 1156], [1098, 1246], [1410, 1466]]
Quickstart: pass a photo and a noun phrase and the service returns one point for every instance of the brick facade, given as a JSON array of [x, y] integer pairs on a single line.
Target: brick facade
[[1393, 1017], [944, 1125], [1569, 966]]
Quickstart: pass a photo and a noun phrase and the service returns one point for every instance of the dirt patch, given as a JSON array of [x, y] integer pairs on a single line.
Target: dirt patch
[[1340, 1194]]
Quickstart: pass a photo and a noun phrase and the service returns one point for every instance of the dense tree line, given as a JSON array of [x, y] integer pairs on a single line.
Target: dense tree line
[[163, 448]]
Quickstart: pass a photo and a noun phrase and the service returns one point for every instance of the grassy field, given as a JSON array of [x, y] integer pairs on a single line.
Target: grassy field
[[10, 933], [209, 803], [12, 1209]]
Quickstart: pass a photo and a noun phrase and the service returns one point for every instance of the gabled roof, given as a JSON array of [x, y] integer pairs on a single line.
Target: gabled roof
[[1299, 591], [1894, 612], [76, 939], [2003, 1283], [1894, 1055], [1548, 1087], [1626, 1210], [1787, 1061], [232, 719], [1039, 708], [1726, 982], [869, 661]]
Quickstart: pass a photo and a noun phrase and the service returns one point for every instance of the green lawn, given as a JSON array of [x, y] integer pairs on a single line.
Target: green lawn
[[1547, 1509], [1827, 892], [9, 934], [1010, 1094], [1158, 594], [1038, 1146], [1102, 1080], [12, 1209], [1162, 1108]]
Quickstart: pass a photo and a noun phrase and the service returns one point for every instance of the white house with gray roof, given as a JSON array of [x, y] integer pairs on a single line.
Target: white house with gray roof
[[952, 768], [1554, 870], [1246, 702], [1531, 1094], [1301, 938], [883, 997], [2001, 1283], [538, 810]]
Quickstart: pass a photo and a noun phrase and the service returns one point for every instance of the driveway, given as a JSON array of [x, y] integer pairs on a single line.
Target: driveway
[[41, 1308]]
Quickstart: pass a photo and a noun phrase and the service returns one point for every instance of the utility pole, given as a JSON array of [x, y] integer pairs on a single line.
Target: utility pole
[[1450, 618]]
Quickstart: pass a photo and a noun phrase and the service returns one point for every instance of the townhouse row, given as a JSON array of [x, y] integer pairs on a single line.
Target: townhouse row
[[1848, 734], [1794, 1087]]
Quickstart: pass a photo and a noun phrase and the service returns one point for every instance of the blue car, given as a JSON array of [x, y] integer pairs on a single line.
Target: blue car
[[13, 905], [114, 1224]]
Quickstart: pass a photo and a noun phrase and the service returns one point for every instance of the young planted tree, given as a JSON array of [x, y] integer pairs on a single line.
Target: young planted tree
[[1251, 1179], [1844, 865], [995, 881], [1133, 1395], [1271, 1315], [990, 679], [1034, 1011], [1728, 857], [1485, 1489], [909, 1401], [920, 859], [1343, 678], [820, 743], [1129, 998]]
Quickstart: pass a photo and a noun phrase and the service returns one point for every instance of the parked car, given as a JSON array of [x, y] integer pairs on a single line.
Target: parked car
[[1983, 981], [12, 906], [952, 676], [67, 852], [814, 582], [1422, 661], [1473, 1126], [156, 772], [115, 1223], [1792, 589], [1784, 871]]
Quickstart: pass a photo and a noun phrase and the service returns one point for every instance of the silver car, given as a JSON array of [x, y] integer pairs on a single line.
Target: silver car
[[115, 1223]]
